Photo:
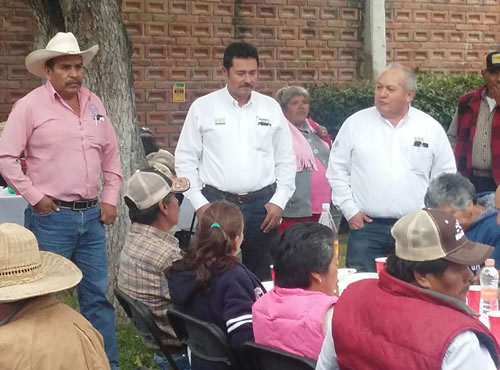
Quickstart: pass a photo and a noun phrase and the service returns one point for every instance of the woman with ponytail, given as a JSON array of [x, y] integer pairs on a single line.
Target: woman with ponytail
[[210, 284]]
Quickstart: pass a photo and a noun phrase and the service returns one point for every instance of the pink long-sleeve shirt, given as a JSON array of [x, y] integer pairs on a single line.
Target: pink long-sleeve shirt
[[65, 154]]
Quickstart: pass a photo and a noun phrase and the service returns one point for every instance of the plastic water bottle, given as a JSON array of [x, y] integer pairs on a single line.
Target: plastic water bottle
[[489, 287], [326, 219]]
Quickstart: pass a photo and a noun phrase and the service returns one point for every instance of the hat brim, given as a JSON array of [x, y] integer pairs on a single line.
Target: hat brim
[[58, 274], [471, 253], [180, 185], [35, 61]]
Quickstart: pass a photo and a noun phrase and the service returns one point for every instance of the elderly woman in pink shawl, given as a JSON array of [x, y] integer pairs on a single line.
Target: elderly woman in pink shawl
[[311, 144]]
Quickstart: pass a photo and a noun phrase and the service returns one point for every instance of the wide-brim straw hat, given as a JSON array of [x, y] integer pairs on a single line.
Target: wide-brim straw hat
[[26, 272], [64, 43]]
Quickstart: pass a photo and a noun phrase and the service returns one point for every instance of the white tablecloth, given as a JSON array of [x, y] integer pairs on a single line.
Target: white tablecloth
[[12, 209]]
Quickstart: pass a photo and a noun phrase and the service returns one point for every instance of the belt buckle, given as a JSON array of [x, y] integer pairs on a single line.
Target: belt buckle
[[84, 205], [243, 198]]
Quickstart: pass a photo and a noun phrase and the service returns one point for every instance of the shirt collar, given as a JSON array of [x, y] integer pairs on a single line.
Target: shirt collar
[[83, 94], [234, 102], [403, 120], [151, 230], [305, 129], [492, 104]]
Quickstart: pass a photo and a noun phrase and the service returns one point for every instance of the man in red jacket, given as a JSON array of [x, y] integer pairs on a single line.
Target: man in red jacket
[[475, 130], [414, 317]]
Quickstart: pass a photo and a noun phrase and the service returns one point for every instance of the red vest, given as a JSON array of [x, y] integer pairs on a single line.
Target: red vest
[[389, 324], [468, 111]]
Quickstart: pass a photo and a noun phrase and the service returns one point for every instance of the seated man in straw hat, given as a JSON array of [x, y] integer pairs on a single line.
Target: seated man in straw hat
[[69, 144], [153, 197], [416, 317], [36, 330]]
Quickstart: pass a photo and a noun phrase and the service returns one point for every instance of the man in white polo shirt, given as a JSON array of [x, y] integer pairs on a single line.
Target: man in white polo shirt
[[236, 145], [381, 163]]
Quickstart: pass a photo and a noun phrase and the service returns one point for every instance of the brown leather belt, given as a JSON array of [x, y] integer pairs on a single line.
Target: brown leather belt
[[77, 205], [241, 198]]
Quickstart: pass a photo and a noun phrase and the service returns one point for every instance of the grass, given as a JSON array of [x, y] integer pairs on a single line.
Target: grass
[[133, 353]]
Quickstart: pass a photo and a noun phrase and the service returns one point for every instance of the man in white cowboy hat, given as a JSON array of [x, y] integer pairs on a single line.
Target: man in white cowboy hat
[[37, 331], [69, 144], [153, 197]]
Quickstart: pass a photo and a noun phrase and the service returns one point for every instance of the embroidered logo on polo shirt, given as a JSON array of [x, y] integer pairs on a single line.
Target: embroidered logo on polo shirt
[[220, 121], [263, 121]]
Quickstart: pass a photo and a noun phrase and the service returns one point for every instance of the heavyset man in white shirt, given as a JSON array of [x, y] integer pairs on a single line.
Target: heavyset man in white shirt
[[236, 145], [381, 163]]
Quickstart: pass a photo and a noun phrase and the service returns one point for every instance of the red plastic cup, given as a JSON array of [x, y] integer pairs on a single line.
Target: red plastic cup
[[494, 320], [380, 263], [473, 297], [273, 276]]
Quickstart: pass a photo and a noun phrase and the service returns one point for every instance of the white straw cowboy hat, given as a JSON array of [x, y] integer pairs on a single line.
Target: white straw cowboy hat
[[64, 43], [27, 272]]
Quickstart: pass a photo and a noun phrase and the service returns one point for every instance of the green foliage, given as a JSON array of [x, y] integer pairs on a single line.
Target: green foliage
[[437, 95]]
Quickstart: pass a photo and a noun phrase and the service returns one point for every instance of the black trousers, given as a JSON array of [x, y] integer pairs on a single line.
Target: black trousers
[[256, 247], [483, 184]]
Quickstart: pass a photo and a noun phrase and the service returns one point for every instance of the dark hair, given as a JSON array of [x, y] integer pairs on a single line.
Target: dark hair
[[212, 248], [404, 270], [146, 216], [301, 249], [239, 49], [50, 63], [148, 139]]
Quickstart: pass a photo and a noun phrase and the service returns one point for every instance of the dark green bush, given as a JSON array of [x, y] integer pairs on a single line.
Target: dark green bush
[[437, 95]]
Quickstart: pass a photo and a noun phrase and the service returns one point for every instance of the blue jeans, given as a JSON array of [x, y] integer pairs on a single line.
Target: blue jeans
[[371, 241], [80, 237], [180, 359], [256, 246]]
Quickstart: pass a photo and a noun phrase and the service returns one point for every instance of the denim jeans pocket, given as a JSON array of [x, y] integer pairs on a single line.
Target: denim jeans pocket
[[42, 215]]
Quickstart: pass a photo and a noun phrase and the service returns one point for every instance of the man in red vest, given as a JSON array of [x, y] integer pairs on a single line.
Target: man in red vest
[[414, 317], [475, 129]]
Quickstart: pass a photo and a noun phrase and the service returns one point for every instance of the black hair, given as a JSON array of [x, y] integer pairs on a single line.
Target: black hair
[[50, 63], [405, 270], [239, 49], [301, 249], [148, 139], [146, 216]]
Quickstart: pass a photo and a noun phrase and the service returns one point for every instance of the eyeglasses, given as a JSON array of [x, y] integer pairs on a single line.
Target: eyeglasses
[[180, 198]]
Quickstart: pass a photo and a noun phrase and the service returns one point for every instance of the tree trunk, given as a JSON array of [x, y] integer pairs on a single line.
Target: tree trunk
[[109, 75]]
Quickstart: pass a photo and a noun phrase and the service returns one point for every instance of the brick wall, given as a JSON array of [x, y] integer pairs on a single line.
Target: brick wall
[[16, 41], [442, 36], [299, 41]]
